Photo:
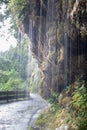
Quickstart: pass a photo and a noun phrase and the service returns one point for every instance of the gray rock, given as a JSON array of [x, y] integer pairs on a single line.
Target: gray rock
[[36, 128], [63, 127]]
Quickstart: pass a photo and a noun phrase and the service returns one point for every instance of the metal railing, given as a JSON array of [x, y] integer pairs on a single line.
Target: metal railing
[[13, 95]]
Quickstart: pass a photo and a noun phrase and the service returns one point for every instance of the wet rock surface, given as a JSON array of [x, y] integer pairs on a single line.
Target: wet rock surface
[[22, 114], [58, 41]]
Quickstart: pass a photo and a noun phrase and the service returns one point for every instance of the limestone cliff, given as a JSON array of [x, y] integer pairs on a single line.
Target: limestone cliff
[[58, 32]]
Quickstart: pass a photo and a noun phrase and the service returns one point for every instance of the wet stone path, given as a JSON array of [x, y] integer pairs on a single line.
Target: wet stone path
[[19, 115]]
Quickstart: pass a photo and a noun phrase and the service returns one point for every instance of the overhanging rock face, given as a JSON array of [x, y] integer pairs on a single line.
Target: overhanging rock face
[[58, 32]]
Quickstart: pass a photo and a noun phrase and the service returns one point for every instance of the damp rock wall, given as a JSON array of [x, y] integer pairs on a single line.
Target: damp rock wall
[[58, 33]]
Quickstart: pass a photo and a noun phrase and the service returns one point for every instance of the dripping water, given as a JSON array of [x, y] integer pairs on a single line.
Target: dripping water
[[65, 59], [19, 51], [29, 53], [51, 40], [32, 68], [40, 32], [66, 68]]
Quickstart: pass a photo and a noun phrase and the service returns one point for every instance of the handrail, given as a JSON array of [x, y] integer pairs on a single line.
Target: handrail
[[9, 95]]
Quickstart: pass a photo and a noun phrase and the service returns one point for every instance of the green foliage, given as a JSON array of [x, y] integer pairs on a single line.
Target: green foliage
[[45, 119], [5, 64], [74, 115], [13, 64], [13, 84], [31, 128], [79, 103], [35, 79], [3, 1], [5, 16], [54, 98], [9, 80], [19, 58], [54, 101], [3, 76], [18, 69], [17, 8], [82, 124]]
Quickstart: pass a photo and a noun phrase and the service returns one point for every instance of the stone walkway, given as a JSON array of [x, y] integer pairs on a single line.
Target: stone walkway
[[19, 115]]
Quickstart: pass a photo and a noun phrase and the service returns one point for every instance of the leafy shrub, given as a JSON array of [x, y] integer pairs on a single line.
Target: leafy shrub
[[54, 101], [79, 103]]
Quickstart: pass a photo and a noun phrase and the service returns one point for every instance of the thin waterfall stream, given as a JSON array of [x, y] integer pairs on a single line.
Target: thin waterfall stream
[[50, 60]]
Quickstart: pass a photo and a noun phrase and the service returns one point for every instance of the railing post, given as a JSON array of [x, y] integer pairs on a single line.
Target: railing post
[[7, 97], [28, 95], [16, 94]]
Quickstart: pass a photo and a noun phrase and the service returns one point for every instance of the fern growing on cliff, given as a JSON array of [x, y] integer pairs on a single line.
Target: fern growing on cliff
[[79, 102]]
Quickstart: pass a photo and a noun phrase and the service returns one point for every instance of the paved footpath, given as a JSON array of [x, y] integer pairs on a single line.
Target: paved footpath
[[19, 115]]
